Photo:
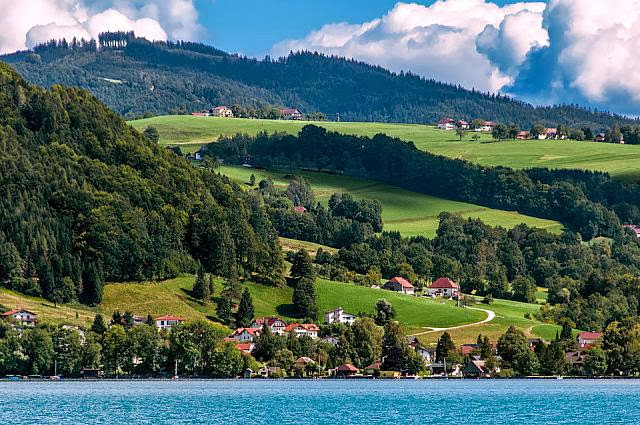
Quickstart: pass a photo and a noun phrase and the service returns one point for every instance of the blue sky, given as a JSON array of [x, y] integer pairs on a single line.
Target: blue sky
[[252, 27]]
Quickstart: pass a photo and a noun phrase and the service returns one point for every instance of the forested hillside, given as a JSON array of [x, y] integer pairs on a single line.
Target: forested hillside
[[86, 199], [135, 77]]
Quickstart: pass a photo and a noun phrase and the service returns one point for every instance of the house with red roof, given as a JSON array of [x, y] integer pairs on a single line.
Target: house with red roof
[[24, 317], [275, 324], [399, 284], [462, 124], [346, 370], [446, 124], [246, 334], [303, 329], [523, 135], [246, 347], [222, 111], [168, 321], [291, 114], [300, 209], [587, 339], [444, 287]]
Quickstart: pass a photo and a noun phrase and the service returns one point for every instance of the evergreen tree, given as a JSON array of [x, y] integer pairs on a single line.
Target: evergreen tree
[[304, 299], [199, 285], [245, 313], [302, 266], [567, 331], [150, 320], [116, 318], [394, 347], [152, 134], [127, 320], [223, 309], [445, 348], [99, 326], [384, 312]]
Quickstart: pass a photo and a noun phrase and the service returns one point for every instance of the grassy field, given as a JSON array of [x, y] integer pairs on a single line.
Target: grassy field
[[622, 161], [408, 212]]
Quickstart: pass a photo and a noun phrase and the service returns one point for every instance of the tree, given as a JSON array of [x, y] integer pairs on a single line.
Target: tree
[[201, 287], [223, 309], [68, 351], [500, 132], [114, 350], [596, 362], [150, 320], [302, 266], [145, 344], [552, 359], [513, 347], [461, 133], [567, 330], [252, 180], [524, 289], [228, 362], [301, 193], [245, 313], [445, 349], [384, 312], [152, 134], [394, 347], [127, 320], [267, 345], [116, 318], [99, 326], [38, 347], [304, 299], [366, 342], [537, 130]]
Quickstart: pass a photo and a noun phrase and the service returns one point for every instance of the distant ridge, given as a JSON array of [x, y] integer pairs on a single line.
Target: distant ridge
[[134, 76]]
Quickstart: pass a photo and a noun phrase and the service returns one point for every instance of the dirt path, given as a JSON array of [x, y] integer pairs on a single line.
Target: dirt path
[[490, 316]]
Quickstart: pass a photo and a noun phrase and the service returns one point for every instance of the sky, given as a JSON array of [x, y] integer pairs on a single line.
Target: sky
[[543, 52]]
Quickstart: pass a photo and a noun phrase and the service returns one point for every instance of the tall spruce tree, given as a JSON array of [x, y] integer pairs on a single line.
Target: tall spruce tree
[[223, 309], [304, 299], [245, 313], [99, 326], [302, 266]]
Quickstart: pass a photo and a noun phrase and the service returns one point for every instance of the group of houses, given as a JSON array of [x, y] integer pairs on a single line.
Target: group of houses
[[546, 134], [441, 287], [226, 112], [244, 337], [451, 124]]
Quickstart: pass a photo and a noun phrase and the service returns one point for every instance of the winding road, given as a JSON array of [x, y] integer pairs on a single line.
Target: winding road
[[490, 316]]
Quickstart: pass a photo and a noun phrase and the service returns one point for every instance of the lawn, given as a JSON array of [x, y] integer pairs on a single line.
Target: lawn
[[410, 213], [619, 160]]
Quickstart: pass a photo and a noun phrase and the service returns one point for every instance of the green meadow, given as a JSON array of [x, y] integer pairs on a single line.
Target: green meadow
[[621, 161], [410, 213]]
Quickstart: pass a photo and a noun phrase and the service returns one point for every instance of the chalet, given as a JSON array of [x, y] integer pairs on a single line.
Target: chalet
[[275, 324], [486, 127], [446, 124], [635, 229], [346, 370], [222, 111], [168, 321], [291, 114], [587, 339], [399, 284], [477, 369], [23, 317], [575, 359], [246, 347], [523, 135], [246, 334], [304, 361], [303, 329], [339, 316], [300, 209], [462, 124], [444, 287]]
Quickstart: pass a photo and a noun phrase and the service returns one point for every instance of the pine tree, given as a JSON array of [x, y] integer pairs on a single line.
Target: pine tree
[[127, 320], [445, 347], [116, 318], [150, 320], [198, 286], [304, 299], [302, 266], [223, 310], [99, 326], [245, 313]]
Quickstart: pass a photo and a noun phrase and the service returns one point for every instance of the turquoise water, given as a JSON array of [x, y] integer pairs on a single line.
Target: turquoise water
[[322, 402]]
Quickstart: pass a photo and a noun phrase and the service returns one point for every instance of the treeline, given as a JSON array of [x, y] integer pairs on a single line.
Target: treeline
[[85, 199], [164, 77], [586, 202]]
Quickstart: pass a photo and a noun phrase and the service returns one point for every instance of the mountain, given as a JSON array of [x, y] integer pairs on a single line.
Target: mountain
[[86, 199], [135, 77]]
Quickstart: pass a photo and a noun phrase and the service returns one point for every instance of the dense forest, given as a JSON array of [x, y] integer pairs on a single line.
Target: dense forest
[[86, 199], [135, 77]]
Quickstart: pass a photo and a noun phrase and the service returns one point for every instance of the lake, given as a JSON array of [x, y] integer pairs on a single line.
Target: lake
[[322, 402]]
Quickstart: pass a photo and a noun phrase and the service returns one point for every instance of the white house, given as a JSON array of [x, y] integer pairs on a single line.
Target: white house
[[245, 334], [444, 287], [339, 316], [399, 284], [24, 317], [291, 114], [168, 321], [486, 127], [446, 124], [222, 111], [462, 124], [303, 329], [275, 324]]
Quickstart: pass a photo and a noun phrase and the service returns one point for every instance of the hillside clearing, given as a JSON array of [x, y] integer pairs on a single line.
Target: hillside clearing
[[621, 161]]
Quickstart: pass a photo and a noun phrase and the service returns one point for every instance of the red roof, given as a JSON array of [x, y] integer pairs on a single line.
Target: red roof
[[445, 121], [245, 346], [269, 321], [309, 327], [375, 365], [348, 367], [289, 111], [402, 281], [252, 331], [590, 335], [219, 108], [12, 312], [444, 283], [169, 317], [467, 349], [300, 209]]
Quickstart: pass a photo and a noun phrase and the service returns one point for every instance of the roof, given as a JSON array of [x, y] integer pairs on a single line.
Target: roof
[[490, 123], [347, 367], [304, 360], [289, 111], [12, 312], [252, 331], [309, 327], [245, 346], [402, 281], [463, 122], [300, 209], [375, 365], [219, 108], [523, 133], [269, 321], [170, 317], [590, 335], [445, 121], [467, 349], [476, 366], [444, 283]]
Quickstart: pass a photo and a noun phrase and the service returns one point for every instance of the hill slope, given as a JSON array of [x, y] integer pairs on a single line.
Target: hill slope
[[160, 77]]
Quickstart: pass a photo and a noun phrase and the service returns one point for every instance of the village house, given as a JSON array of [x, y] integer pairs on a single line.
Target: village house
[[523, 135], [246, 334], [275, 324], [346, 370], [486, 127], [339, 316], [462, 124], [201, 114], [304, 361], [291, 114], [303, 329], [299, 209], [437, 369], [374, 368], [246, 347], [587, 339], [426, 353], [446, 124], [635, 229], [477, 369], [139, 320], [222, 111], [469, 349], [22, 317], [399, 284], [600, 137], [444, 287], [575, 359], [168, 321]]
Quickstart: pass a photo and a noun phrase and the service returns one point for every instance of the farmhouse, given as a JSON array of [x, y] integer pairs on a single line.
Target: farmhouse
[[23, 317], [523, 135], [446, 124], [486, 126], [444, 287], [587, 339], [245, 334], [399, 284], [275, 324], [201, 114], [346, 370], [222, 111], [303, 329], [462, 124], [600, 137], [291, 114], [339, 316], [166, 322]]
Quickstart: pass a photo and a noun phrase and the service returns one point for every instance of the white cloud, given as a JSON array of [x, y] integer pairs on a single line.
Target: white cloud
[[29, 22]]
